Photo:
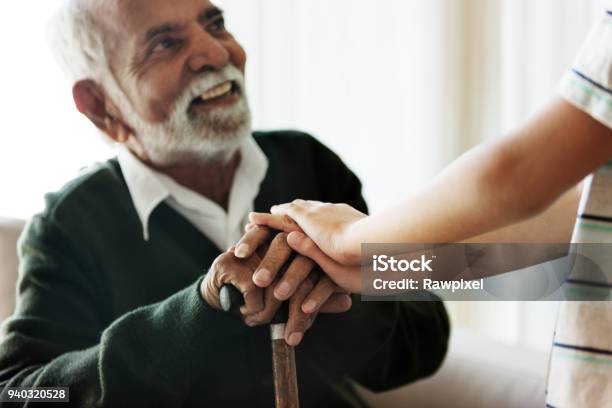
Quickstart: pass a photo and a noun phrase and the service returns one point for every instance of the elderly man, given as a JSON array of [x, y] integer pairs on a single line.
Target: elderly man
[[112, 302]]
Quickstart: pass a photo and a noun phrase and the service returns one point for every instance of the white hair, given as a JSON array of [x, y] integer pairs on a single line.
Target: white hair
[[77, 42]]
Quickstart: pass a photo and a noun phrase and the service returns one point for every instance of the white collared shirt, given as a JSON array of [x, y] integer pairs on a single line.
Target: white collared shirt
[[149, 188]]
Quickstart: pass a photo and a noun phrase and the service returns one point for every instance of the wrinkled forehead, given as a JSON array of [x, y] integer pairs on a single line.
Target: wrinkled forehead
[[127, 22]]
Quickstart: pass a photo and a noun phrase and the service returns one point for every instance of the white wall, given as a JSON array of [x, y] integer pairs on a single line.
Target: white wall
[[401, 87]]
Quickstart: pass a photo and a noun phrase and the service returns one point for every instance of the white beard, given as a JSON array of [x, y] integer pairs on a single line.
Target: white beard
[[201, 138]]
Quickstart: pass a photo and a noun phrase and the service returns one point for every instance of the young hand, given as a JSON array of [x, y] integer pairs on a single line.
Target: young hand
[[346, 277], [330, 226]]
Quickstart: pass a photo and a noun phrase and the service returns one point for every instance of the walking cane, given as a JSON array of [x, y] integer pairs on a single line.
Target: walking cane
[[283, 355]]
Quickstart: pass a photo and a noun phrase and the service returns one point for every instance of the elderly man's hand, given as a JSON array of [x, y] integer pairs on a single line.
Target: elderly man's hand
[[299, 283]]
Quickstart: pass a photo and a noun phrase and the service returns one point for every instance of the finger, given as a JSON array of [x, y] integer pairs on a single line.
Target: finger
[[347, 277], [307, 247], [240, 276], [294, 210], [253, 300], [324, 289], [278, 253], [253, 297], [249, 227], [299, 270], [271, 306], [298, 321], [337, 303], [277, 222], [249, 243]]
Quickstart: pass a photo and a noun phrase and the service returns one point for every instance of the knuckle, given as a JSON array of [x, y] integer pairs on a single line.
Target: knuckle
[[286, 220], [249, 285], [307, 285], [272, 258], [297, 317], [257, 320], [224, 260], [214, 268], [247, 294], [250, 289], [266, 315], [221, 269], [260, 230], [296, 272], [304, 322], [281, 238], [262, 321]]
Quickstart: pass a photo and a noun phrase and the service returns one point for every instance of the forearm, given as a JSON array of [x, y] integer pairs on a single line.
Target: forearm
[[458, 204], [145, 356], [555, 225], [500, 183]]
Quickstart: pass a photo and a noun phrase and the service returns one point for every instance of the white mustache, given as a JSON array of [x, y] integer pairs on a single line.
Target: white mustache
[[207, 82]]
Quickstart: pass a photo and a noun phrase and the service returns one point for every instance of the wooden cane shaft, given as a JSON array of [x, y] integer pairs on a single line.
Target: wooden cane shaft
[[283, 365]]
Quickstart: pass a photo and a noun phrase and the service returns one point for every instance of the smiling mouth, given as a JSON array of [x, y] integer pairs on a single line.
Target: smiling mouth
[[217, 93]]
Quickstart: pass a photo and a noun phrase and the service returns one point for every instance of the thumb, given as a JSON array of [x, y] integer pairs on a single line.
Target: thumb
[[301, 243]]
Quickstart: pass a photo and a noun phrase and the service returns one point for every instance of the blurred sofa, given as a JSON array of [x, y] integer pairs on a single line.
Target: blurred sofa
[[477, 373], [10, 229]]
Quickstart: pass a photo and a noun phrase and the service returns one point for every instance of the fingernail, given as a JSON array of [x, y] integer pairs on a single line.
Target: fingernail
[[347, 301], [295, 339], [242, 250], [249, 322], [263, 275], [309, 306], [282, 290], [295, 236]]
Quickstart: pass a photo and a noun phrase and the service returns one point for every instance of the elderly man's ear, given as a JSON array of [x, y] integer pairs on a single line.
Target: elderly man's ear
[[92, 102]]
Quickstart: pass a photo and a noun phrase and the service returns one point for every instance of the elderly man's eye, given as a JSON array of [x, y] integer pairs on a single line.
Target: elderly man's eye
[[218, 25], [165, 44]]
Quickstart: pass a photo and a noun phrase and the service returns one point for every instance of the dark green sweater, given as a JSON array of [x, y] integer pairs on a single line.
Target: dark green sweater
[[120, 320]]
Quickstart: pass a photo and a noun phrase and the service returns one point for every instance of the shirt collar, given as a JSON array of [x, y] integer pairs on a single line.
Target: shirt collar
[[148, 188], [145, 188]]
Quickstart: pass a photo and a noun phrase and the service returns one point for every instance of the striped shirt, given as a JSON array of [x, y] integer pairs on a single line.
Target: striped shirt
[[581, 361]]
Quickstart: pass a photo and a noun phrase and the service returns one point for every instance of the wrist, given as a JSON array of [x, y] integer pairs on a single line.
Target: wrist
[[351, 239]]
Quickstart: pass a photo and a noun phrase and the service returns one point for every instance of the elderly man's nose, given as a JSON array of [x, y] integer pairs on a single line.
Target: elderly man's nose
[[208, 55]]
